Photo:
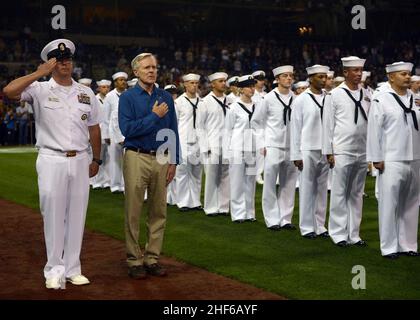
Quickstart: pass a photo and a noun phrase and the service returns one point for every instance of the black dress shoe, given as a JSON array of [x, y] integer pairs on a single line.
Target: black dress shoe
[[251, 220], [212, 215], [289, 226], [275, 228], [239, 221], [311, 235], [199, 208], [361, 243], [223, 214], [343, 244], [184, 209], [325, 235], [410, 254], [391, 256]]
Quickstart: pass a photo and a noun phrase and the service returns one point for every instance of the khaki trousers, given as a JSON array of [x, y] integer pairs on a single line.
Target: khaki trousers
[[143, 172]]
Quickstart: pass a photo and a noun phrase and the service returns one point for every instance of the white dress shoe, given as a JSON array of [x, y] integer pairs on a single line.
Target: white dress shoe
[[78, 280], [53, 283]]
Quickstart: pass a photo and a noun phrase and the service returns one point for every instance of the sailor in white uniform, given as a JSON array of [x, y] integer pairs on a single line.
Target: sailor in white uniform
[[393, 147], [345, 129], [306, 152], [189, 172], [67, 117], [234, 91]]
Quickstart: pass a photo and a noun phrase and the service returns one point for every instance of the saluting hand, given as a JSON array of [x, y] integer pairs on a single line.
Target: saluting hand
[[46, 68], [161, 110]]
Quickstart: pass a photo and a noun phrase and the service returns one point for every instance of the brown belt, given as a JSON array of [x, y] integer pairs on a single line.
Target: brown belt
[[150, 152], [71, 153]]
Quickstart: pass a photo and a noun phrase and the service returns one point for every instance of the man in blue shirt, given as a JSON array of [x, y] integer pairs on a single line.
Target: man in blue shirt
[[147, 119]]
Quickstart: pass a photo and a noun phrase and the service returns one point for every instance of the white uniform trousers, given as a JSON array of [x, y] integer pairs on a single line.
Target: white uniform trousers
[[102, 180], [313, 193], [171, 193], [216, 193], [63, 184], [398, 206], [278, 205], [242, 188], [260, 164], [330, 177], [115, 167], [188, 184], [346, 200]]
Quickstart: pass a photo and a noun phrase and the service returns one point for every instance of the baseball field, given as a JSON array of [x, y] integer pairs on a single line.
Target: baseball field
[[280, 262]]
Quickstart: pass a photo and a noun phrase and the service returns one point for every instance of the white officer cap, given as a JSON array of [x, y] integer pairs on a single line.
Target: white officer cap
[[258, 73], [317, 69], [282, 69], [415, 78], [132, 82], [191, 77], [60, 48], [103, 82], [365, 75], [85, 81], [301, 84], [170, 87], [339, 79], [399, 66], [353, 62], [218, 75], [330, 74], [120, 75], [232, 81], [246, 81]]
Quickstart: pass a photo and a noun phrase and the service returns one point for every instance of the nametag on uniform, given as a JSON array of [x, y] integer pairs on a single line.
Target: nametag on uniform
[[53, 99], [84, 98]]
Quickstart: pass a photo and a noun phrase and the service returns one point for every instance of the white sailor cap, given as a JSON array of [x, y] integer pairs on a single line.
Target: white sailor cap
[[282, 69], [103, 82], [330, 74], [233, 81], [353, 62], [275, 82], [119, 75], [380, 84], [365, 75], [317, 69], [170, 87], [191, 77], [259, 74], [415, 78], [399, 66], [301, 84], [218, 75], [60, 49], [85, 81], [339, 79], [132, 82], [246, 81]]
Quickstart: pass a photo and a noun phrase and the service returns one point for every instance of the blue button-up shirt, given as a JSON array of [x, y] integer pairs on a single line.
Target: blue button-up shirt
[[142, 128]]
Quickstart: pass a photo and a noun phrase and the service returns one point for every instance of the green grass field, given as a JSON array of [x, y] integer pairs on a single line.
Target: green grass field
[[283, 262]]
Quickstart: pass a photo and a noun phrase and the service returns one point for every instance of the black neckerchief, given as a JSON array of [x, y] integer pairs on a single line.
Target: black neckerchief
[[407, 110], [247, 111], [194, 109], [222, 104], [286, 107], [358, 105], [321, 107]]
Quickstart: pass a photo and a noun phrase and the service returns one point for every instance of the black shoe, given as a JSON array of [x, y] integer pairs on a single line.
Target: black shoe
[[410, 254], [343, 244], [311, 235], [225, 214], [199, 208], [137, 272], [289, 226], [392, 256], [251, 220], [212, 215], [325, 235], [239, 221], [361, 243], [155, 269], [275, 228], [184, 209]]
